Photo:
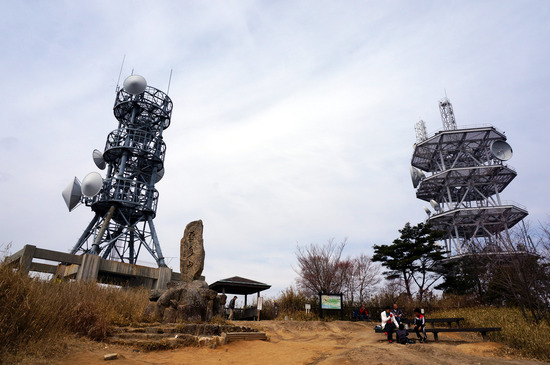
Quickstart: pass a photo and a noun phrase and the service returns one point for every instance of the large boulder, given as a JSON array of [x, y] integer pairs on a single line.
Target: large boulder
[[188, 302], [192, 252]]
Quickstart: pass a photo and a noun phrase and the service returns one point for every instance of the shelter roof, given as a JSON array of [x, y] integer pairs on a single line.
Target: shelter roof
[[238, 285]]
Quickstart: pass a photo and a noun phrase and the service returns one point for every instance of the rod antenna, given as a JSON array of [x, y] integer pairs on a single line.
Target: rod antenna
[[169, 82], [119, 74]]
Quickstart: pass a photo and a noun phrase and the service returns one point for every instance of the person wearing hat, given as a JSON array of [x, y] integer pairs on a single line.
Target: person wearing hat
[[232, 307]]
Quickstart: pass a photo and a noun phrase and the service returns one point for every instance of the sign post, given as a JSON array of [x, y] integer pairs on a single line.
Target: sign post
[[259, 307], [331, 302]]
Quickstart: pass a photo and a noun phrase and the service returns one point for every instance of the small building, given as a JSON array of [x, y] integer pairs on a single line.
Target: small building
[[240, 286]]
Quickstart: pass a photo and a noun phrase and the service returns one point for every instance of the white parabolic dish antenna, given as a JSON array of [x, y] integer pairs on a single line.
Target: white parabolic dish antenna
[[160, 175], [135, 84], [501, 150], [416, 176], [97, 155], [91, 184], [435, 205], [72, 193]]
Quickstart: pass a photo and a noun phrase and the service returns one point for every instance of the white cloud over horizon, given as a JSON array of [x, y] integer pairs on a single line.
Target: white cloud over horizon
[[293, 122]]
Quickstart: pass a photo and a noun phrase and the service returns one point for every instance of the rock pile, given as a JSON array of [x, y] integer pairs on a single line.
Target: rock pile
[[187, 302]]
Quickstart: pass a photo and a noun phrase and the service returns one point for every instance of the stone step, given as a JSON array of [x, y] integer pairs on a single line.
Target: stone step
[[246, 336], [158, 337], [166, 343], [185, 328], [142, 336]]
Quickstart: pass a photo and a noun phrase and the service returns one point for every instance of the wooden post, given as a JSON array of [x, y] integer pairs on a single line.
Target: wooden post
[[259, 306], [25, 261], [89, 269]]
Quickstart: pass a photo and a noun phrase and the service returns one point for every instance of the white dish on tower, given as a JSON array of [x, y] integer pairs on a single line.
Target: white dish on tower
[[135, 84], [91, 184], [72, 193], [435, 205], [416, 176], [501, 150], [97, 155]]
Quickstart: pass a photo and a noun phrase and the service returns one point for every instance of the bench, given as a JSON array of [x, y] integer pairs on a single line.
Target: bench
[[433, 321], [482, 330], [435, 331]]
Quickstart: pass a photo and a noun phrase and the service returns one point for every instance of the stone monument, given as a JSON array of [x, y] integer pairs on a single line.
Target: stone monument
[[192, 252], [189, 299]]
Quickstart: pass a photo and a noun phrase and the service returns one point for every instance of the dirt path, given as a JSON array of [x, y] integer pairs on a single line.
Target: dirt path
[[293, 342]]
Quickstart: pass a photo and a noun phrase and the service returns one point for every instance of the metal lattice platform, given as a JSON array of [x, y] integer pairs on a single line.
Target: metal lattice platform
[[462, 172], [125, 201]]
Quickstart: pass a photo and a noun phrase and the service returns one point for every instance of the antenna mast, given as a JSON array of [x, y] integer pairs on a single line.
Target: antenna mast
[[467, 172], [120, 74], [447, 114], [421, 132], [125, 202]]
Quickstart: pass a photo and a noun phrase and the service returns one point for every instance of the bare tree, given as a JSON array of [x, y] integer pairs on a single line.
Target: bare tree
[[366, 276], [520, 276], [320, 268], [544, 241], [346, 270]]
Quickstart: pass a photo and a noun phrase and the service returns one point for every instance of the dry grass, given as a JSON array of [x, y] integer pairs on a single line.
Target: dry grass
[[526, 337], [38, 317]]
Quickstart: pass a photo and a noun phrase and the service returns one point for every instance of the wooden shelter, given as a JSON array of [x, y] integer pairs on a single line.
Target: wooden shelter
[[239, 285]]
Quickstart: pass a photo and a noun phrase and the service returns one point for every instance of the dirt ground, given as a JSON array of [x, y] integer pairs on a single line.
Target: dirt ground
[[294, 342]]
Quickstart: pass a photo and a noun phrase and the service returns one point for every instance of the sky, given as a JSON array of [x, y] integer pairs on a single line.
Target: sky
[[293, 121]]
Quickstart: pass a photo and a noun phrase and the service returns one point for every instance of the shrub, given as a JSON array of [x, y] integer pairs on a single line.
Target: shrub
[[527, 337], [38, 314], [292, 302]]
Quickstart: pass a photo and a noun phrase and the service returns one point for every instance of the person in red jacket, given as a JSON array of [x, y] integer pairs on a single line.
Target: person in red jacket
[[420, 325], [363, 314]]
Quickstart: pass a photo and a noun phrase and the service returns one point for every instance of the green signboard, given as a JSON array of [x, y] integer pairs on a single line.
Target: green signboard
[[331, 301]]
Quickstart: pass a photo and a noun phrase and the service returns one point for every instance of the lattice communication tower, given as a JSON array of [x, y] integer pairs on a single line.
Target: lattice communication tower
[[125, 201], [461, 173]]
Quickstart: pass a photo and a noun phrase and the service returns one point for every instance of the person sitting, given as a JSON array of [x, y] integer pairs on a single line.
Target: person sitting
[[356, 313], [389, 324], [397, 312], [363, 314], [401, 335], [420, 325]]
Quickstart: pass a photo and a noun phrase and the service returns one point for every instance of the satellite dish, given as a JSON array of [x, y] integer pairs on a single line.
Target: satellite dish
[[416, 175], [501, 150], [97, 155], [428, 211], [435, 205], [135, 84], [91, 184], [160, 175], [72, 193]]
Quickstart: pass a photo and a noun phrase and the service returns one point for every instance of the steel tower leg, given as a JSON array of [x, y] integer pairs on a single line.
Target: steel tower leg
[[160, 260], [95, 247], [131, 257], [87, 232]]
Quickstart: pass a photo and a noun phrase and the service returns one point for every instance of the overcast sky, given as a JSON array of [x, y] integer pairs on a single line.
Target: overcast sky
[[293, 121]]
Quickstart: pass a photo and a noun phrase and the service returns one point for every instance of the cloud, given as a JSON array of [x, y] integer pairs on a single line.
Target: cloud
[[293, 123]]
